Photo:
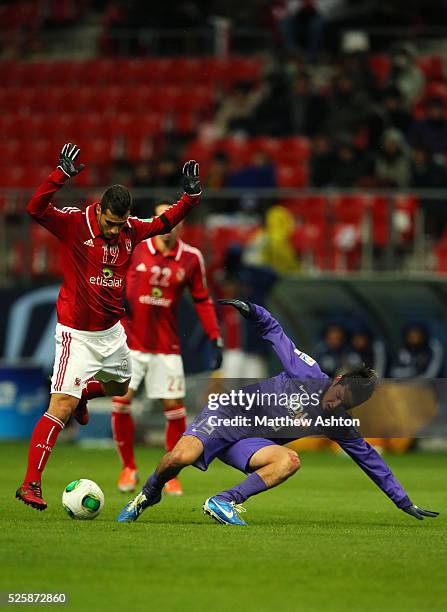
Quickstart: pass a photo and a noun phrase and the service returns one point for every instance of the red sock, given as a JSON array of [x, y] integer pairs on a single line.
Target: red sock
[[175, 425], [43, 439], [123, 429], [92, 389]]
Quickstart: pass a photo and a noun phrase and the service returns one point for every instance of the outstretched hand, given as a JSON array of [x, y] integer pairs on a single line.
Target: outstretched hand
[[242, 307], [419, 513], [67, 159], [191, 179]]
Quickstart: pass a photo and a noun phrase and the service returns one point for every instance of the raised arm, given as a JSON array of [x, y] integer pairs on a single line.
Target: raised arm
[[296, 363], [40, 206], [375, 467], [163, 224], [204, 305]]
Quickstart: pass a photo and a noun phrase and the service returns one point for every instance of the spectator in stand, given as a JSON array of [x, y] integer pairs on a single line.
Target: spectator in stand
[[236, 110], [349, 165], [390, 112], [420, 356], [429, 172], [331, 353], [217, 174], [143, 178], [364, 349], [309, 25], [392, 167], [245, 357], [356, 65], [272, 116], [432, 131], [406, 74], [348, 106], [259, 174], [321, 161], [166, 173], [308, 108]]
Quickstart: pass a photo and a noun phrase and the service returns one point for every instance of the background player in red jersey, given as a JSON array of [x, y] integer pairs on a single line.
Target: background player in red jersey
[[90, 341], [161, 268]]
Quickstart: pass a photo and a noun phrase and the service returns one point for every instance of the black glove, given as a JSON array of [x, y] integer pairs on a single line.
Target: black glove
[[190, 179], [419, 513], [217, 356], [243, 307], [67, 160]]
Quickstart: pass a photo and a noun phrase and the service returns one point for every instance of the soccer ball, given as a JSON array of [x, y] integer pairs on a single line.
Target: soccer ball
[[83, 499]]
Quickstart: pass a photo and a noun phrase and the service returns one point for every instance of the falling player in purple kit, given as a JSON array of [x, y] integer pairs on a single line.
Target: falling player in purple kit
[[259, 451]]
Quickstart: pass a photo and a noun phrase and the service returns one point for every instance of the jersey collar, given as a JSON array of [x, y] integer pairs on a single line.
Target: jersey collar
[[174, 253], [92, 223]]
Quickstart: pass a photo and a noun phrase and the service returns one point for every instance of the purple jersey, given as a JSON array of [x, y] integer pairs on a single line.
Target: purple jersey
[[302, 376]]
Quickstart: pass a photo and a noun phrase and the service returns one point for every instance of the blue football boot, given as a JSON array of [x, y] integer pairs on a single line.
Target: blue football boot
[[134, 508], [224, 512]]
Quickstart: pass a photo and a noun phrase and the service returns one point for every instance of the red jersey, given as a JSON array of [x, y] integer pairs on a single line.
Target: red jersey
[[91, 296], [154, 287]]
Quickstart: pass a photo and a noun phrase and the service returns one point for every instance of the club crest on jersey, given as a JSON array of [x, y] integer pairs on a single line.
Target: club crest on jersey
[[180, 274], [77, 382], [157, 292], [128, 246]]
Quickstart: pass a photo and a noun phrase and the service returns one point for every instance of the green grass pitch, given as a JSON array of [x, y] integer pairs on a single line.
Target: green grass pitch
[[327, 539]]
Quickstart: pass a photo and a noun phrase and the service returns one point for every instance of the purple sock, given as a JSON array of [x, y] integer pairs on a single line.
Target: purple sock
[[152, 488], [252, 485]]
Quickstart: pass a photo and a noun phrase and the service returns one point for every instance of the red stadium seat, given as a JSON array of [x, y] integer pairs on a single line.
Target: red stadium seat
[[433, 67], [440, 253], [380, 66], [380, 215], [45, 253], [65, 126], [292, 176], [201, 150], [349, 209], [265, 144], [12, 176], [99, 71], [34, 73], [97, 150], [238, 150], [240, 68], [41, 125], [139, 98], [186, 122], [186, 70], [137, 71], [9, 69], [294, 149], [38, 149], [309, 209], [106, 99]]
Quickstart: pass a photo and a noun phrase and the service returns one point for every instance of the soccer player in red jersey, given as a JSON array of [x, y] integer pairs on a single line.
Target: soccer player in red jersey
[[90, 341], [161, 269]]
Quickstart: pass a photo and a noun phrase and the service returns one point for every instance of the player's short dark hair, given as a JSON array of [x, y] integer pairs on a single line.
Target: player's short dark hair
[[117, 199], [361, 381]]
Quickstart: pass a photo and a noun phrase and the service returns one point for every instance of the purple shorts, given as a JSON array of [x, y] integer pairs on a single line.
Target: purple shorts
[[237, 454]]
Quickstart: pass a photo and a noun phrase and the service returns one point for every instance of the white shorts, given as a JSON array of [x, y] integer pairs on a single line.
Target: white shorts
[[80, 355], [237, 364], [163, 375]]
